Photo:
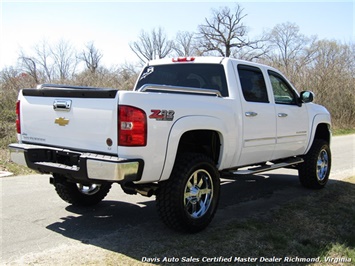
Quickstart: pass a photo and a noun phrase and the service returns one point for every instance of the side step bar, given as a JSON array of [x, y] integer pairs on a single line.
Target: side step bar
[[264, 168]]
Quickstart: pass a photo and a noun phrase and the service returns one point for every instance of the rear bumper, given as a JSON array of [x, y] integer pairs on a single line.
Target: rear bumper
[[79, 166]]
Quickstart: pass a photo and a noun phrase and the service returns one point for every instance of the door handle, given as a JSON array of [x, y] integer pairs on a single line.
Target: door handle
[[282, 115], [250, 114]]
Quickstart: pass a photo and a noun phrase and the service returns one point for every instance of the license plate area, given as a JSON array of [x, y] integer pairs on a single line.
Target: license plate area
[[54, 156]]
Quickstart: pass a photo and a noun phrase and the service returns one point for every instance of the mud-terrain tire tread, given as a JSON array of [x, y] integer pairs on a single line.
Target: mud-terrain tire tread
[[170, 194], [308, 170], [69, 192]]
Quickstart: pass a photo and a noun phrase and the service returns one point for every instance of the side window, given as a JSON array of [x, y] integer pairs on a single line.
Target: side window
[[283, 93], [253, 84]]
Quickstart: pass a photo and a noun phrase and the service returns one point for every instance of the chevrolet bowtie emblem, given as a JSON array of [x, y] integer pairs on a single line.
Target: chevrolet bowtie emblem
[[61, 121]]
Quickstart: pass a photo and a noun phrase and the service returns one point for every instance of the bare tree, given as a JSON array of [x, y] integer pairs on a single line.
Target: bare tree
[[43, 56], [184, 44], [152, 46], [48, 64], [65, 60], [224, 32], [256, 50], [91, 57], [29, 65], [144, 47], [292, 49], [39, 65], [162, 45]]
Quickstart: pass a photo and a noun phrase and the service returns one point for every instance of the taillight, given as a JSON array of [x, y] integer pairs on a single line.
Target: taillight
[[132, 126], [183, 59], [18, 123]]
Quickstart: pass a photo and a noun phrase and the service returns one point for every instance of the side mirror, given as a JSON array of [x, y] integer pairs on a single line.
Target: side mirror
[[307, 96]]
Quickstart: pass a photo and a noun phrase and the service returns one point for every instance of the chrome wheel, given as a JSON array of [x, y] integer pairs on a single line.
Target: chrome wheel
[[188, 200], [314, 172], [322, 165], [88, 190], [198, 193], [79, 194]]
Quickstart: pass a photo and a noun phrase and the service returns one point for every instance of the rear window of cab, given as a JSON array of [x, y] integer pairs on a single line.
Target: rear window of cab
[[205, 76]]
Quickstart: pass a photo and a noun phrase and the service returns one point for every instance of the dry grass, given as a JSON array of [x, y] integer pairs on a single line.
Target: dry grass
[[8, 135]]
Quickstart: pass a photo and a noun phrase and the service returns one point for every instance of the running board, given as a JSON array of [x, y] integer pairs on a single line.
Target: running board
[[264, 168]]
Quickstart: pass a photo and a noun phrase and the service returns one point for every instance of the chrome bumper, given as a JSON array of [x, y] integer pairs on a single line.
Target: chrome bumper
[[80, 166]]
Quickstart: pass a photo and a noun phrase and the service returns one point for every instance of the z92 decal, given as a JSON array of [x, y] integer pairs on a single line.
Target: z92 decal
[[162, 115]]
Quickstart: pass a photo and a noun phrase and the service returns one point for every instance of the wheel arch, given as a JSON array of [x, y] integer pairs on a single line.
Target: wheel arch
[[321, 130], [200, 134], [203, 141]]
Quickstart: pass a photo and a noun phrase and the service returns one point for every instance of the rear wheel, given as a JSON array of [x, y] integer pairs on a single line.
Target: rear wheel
[[80, 194], [188, 200], [314, 172]]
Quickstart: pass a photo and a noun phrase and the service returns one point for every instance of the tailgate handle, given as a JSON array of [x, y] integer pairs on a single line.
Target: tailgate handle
[[62, 105]]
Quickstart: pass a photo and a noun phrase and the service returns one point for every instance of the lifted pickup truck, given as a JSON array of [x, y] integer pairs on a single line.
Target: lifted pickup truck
[[188, 122]]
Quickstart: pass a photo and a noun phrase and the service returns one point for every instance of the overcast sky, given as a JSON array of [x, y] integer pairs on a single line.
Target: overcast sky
[[112, 25]]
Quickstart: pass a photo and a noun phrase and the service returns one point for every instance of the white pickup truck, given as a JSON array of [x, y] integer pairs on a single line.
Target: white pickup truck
[[187, 123]]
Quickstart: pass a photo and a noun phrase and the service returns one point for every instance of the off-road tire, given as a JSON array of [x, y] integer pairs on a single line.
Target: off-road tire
[[76, 194], [188, 200], [314, 172]]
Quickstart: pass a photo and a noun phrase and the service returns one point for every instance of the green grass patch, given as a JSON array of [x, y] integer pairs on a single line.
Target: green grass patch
[[343, 131]]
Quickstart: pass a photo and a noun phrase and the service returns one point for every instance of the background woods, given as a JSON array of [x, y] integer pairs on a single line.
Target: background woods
[[326, 67]]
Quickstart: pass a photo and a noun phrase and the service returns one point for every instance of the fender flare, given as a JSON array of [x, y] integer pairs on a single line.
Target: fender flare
[[189, 123], [317, 120]]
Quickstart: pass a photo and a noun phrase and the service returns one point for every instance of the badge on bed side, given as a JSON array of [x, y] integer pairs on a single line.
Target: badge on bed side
[[162, 115]]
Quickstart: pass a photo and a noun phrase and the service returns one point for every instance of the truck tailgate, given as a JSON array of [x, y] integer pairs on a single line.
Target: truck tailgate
[[70, 117]]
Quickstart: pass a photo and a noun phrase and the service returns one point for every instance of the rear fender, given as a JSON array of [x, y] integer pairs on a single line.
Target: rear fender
[[190, 123]]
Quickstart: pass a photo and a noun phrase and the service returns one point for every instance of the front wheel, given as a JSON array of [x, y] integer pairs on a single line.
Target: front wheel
[[80, 194], [314, 172], [188, 200]]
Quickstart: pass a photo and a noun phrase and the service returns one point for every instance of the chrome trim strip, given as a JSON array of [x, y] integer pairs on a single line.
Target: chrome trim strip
[[168, 88]]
